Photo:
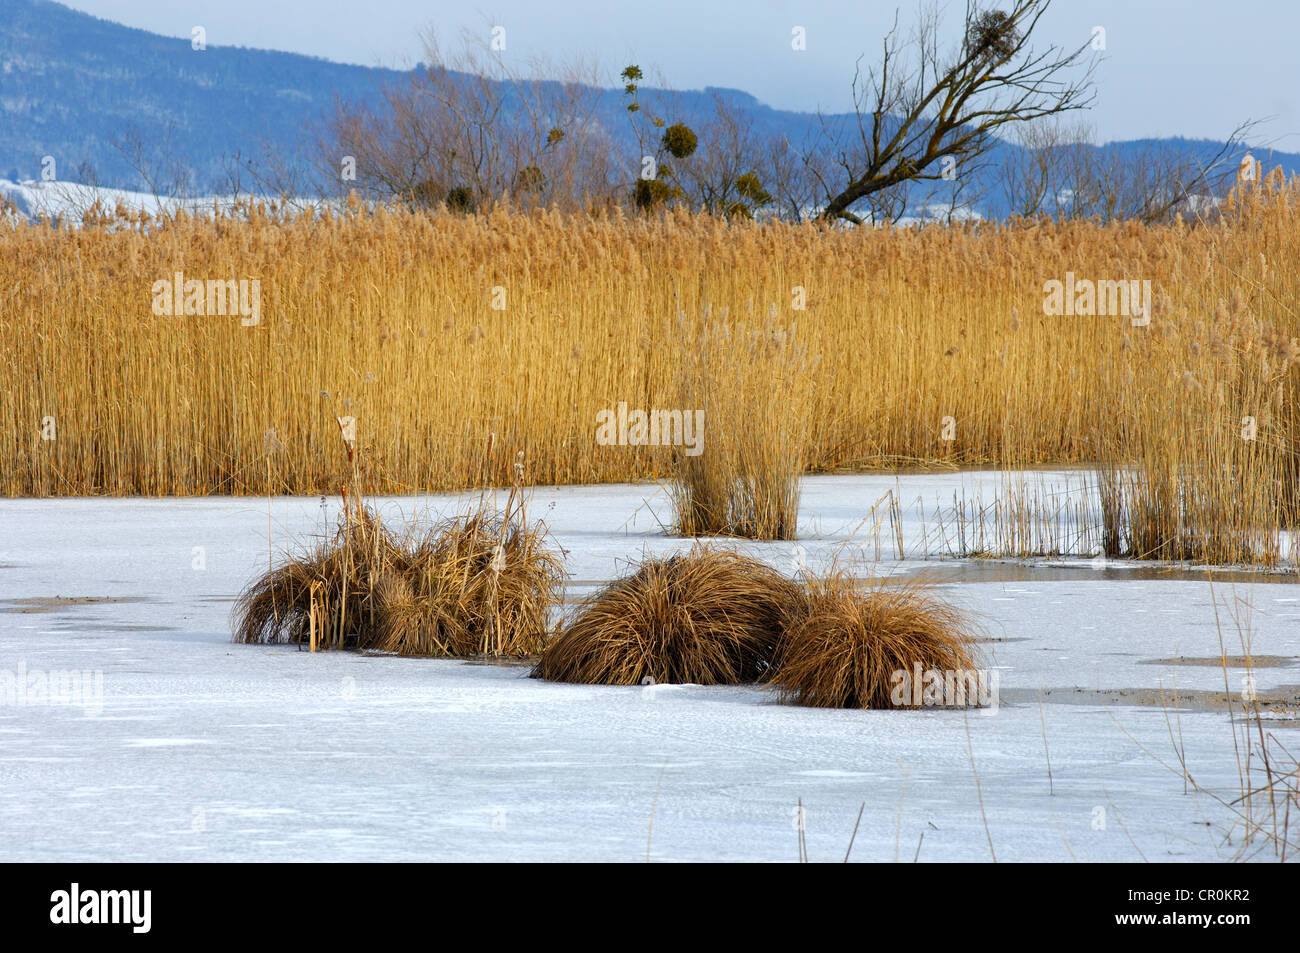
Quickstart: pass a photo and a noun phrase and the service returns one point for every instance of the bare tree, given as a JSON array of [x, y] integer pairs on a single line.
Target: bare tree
[[294, 171], [1059, 171], [791, 178], [1044, 161], [157, 160], [468, 130], [920, 105]]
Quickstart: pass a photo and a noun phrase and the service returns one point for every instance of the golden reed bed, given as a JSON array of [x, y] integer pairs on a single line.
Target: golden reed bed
[[838, 347]]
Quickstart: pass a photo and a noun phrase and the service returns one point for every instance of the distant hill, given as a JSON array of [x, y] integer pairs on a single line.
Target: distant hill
[[71, 84]]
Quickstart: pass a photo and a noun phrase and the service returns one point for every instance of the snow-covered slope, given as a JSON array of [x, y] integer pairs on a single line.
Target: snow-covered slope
[[71, 200]]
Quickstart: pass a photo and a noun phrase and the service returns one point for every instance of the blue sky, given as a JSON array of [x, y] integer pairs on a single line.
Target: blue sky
[[1193, 68]]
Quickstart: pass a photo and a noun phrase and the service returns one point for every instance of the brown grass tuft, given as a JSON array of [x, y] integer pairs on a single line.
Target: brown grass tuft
[[451, 592], [454, 601], [709, 617], [842, 645]]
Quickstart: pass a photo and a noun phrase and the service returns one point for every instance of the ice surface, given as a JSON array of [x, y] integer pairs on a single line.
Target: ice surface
[[194, 748]]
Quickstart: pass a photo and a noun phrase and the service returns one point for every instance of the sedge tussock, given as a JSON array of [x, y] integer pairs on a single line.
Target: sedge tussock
[[471, 585], [845, 647], [706, 617]]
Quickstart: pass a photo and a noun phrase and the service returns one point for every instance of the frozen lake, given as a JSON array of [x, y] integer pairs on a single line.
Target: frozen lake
[[184, 746]]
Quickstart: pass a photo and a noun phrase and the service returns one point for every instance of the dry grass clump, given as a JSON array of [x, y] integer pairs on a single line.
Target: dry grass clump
[[754, 387], [476, 584], [842, 647], [709, 617], [336, 575]]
